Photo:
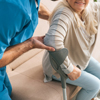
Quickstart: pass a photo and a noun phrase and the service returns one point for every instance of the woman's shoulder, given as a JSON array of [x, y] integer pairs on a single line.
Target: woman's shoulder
[[65, 10], [64, 13]]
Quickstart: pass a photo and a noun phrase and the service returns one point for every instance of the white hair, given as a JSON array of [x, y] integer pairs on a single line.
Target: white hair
[[87, 16]]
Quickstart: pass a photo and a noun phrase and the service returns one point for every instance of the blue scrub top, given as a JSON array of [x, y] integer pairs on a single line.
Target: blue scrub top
[[18, 20]]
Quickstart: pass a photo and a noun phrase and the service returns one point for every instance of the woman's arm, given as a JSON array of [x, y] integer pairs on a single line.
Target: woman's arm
[[14, 52], [55, 38]]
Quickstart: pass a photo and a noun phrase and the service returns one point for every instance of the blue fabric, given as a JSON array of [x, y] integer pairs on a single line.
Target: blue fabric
[[89, 81], [5, 86], [18, 20]]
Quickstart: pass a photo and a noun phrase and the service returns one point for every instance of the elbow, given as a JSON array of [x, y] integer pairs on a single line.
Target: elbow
[[49, 41], [52, 41]]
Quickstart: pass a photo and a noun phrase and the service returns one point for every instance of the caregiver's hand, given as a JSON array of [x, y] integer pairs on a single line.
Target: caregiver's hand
[[75, 74], [37, 42]]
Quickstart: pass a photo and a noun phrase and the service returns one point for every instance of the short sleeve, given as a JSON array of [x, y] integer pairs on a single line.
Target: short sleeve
[[12, 20], [21, 36]]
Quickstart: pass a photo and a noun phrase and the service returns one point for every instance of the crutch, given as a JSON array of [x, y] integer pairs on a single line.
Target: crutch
[[56, 59]]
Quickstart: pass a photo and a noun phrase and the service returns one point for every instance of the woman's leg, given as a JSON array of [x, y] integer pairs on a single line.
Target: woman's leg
[[90, 85], [94, 67]]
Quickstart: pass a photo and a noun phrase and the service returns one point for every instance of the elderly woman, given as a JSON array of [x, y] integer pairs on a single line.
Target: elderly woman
[[74, 25]]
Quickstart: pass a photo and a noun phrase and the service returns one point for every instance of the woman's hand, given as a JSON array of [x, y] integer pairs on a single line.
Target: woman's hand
[[37, 42], [75, 74]]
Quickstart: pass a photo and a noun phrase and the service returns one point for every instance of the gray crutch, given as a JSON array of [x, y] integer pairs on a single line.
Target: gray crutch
[[56, 59]]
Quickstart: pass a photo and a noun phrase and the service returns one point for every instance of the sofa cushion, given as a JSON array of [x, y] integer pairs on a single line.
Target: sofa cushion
[[25, 88], [23, 58], [27, 82]]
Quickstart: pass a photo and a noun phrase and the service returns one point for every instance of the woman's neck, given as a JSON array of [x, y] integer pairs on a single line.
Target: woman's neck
[[80, 15]]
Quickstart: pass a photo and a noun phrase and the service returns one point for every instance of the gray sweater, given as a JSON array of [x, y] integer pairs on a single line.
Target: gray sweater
[[65, 33]]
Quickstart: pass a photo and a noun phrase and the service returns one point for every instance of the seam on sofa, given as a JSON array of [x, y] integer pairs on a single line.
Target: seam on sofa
[[36, 81], [26, 60]]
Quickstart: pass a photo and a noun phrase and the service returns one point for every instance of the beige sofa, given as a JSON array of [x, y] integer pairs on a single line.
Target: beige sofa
[[26, 73]]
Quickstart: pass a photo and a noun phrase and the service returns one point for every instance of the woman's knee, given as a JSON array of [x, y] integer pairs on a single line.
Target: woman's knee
[[95, 84], [90, 82], [98, 84], [94, 67]]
